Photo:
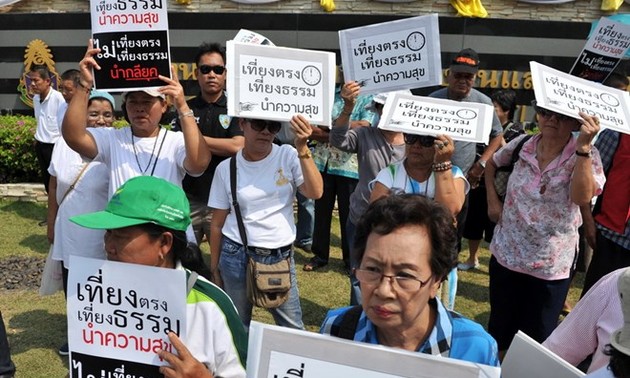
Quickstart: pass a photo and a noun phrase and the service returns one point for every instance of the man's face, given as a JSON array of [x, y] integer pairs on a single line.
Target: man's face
[[459, 84], [211, 83], [67, 89], [38, 85]]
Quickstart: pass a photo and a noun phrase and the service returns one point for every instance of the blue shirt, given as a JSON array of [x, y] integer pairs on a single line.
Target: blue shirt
[[452, 336]]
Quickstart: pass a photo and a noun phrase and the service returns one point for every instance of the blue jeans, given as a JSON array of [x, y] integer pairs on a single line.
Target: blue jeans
[[233, 267], [305, 220]]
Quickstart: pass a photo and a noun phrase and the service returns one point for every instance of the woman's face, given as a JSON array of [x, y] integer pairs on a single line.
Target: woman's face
[[133, 245], [100, 113], [405, 252], [417, 154], [552, 124], [257, 138], [144, 111]]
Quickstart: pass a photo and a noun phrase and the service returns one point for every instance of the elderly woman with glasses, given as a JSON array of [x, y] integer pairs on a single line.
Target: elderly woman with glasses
[[534, 243], [267, 178], [406, 247]]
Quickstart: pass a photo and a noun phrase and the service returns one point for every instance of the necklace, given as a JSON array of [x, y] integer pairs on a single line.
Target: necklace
[[135, 153], [415, 185]]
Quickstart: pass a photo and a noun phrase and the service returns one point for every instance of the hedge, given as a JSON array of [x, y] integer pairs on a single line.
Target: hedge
[[18, 162]]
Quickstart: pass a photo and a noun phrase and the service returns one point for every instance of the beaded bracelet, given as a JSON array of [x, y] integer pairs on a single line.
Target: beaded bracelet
[[441, 167], [87, 89]]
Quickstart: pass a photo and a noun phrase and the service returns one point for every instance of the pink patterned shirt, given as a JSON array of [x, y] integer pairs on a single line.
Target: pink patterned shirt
[[537, 234]]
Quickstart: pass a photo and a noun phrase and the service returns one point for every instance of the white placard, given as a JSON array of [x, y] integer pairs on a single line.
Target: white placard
[[465, 121], [275, 352], [527, 358], [134, 41], [567, 94], [276, 83], [389, 56], [119, 314]]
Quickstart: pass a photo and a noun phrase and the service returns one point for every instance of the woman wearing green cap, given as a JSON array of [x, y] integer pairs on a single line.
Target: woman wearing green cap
[[146, 222]]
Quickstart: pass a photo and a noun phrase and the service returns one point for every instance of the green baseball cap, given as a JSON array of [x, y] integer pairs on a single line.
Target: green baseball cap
[[142, 199]]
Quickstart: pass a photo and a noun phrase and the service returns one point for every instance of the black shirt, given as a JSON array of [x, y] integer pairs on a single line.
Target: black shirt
[[213, 122]]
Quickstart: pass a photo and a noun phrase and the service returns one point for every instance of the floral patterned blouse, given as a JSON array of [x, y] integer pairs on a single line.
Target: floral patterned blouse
[[537, 234]]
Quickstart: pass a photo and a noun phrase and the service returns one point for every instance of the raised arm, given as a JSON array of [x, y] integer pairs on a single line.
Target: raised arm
[[313, 185], [448, 191], [340, 134], [74, 129], [583, 186], [198, 154]]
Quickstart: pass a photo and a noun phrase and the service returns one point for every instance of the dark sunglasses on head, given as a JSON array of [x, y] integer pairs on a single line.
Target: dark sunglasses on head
[[425, 140], [205, 69], [260, 125], [548, 113]]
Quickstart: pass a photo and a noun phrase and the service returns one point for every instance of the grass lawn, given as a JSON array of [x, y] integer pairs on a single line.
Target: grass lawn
[[36, 325]]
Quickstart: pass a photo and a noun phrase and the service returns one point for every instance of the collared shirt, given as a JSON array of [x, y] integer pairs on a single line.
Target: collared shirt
[[452, 335], [537, 234], [332, 160], [607, 143], [587, 328], [48, 116]]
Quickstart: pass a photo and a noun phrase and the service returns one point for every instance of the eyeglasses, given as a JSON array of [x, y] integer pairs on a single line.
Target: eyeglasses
[[425, 140], [259, 125], [205, 69], [548, 114], [406, 283], [96, 116]]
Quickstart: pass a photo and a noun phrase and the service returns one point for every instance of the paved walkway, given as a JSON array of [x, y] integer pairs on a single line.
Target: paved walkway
[[23, 192]]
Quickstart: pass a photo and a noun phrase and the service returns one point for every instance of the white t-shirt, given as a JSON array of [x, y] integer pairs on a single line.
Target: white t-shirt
[[128, 158], [601, 373], [266, 189], [115, 148], [89, 194], [395, 176], [49, 115]]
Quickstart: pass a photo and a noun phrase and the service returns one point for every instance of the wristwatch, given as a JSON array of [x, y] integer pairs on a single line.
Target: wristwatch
[[482, 163]]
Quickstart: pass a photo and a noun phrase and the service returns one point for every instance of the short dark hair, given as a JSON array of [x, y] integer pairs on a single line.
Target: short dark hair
[[72, 74], [506, 99], [209, 48], [42, 70], [188, 254], [395, 211]]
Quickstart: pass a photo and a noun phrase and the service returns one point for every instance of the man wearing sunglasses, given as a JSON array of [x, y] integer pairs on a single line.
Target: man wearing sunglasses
[[222, 135]]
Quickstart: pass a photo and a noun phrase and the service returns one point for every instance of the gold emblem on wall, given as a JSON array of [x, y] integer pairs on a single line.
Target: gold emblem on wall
[[36, 53]]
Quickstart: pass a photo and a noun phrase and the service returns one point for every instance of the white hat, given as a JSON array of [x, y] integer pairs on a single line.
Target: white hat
[[620, 339], [153, 92]]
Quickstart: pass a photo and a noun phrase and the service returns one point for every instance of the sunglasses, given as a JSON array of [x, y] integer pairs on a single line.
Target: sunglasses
[[548, 114], [259, 125], [425, 140], [205, 69]]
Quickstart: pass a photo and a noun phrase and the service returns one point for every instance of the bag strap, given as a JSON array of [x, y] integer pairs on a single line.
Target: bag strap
[[74, 183], [237, 208], [518, 149], [348, 325]]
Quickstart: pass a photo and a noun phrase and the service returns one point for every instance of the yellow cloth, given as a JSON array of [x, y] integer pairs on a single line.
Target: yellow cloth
[[470, 8], [611, 5], [329, 5]]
